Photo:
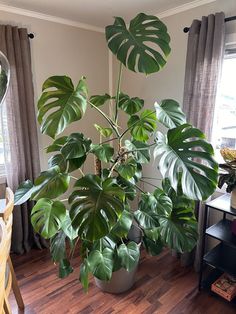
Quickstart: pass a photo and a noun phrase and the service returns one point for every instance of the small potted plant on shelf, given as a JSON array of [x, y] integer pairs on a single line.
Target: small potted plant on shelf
[[228, 174], [97, 215]]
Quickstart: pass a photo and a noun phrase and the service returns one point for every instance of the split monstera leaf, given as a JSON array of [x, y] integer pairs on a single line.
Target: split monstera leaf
[[95, 209]]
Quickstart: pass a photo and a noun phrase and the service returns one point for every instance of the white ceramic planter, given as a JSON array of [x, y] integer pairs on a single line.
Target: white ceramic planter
[[233, 198], [121, 280]]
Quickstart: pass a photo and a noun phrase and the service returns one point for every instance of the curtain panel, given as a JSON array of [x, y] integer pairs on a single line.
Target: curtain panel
[[19, 130], [205, 53]]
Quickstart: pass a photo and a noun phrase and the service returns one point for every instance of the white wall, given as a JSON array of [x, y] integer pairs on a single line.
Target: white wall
[[65, 50], [169, 82]]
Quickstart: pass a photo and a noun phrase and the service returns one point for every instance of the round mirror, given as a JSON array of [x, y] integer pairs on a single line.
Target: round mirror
[[4, 76]]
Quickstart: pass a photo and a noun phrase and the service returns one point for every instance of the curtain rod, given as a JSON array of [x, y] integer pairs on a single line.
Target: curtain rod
[[227, 19], [31, 35]]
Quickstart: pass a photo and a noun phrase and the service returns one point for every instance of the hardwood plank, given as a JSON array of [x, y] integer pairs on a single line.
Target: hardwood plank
[[162, 286]]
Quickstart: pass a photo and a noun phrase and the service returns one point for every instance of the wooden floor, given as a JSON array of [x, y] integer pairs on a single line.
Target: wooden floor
[[162, 287]]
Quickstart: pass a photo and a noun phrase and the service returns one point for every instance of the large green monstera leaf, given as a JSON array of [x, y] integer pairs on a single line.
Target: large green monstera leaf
[[47, 216], [178, 226], [184, 151], [169, 113], [51, 183], [61, 104], [143, 47], [96, 206]]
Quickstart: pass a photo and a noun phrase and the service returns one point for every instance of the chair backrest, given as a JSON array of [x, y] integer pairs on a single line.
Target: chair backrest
[[5, 214], [3, 260], [6, 218]]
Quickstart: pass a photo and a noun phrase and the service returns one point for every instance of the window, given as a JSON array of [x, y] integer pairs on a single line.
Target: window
[[224, 125]]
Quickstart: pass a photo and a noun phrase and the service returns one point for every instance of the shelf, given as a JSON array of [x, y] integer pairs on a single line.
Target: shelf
[[211, 277], [223, 258], [222, 203], [222, 231]]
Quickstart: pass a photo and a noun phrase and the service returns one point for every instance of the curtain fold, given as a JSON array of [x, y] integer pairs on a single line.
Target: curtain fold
[[205, 53], [19, 130]]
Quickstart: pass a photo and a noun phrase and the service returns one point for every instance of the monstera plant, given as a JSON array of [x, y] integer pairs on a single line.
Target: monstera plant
[[97, 215]]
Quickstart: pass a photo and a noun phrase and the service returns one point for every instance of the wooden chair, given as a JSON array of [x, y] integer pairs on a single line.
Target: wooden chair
[[3, 237], [10, 277]]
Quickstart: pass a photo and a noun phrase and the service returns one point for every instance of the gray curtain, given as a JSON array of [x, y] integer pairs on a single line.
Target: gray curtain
[[205, 52], [19, 130]]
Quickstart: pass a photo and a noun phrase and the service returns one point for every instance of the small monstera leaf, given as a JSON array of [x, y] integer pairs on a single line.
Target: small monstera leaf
[[143, 125], [169, 113], [61, 104], [64, 268], [101, 263], [185, 151], [105, 132], [24, 192], [127, 169], [47, 216], [103, 152], [68, 229], [57, 144], [84, 275], [51, 183], [139, 150], [152, 241], [128, 187], [129, 255], [143, 47], [123, 225], [147, 215], [130, 105], [58, 246], [58, 160], [96, 206], [99, 100], [76, 146]]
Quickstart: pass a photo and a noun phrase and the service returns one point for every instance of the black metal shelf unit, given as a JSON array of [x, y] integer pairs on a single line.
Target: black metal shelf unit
[[222, 258]]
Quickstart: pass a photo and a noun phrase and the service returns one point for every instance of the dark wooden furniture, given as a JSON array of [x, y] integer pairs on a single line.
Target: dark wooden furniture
[[221, 258]]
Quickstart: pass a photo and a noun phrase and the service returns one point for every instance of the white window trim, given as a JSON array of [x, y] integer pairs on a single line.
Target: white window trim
[[230, 40]]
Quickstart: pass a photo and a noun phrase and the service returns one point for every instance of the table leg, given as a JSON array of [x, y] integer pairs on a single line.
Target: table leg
[[203, 247]]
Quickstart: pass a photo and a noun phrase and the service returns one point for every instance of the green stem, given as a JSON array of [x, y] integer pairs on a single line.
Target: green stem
[[150, 178], [112, 124], [110, 140], [118, 92], [72, 252], [137, 187], [153, 185]]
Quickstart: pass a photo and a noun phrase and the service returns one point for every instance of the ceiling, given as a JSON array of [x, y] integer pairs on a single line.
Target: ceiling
[[96, 12]]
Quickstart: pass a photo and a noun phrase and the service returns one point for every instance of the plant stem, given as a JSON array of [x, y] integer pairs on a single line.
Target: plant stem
[[118, 92], [137, 187], [112, 124], [80, 170], [153, 185], [110, 140], [150, 178], [74, 178], [64, 200], [73, 250]]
